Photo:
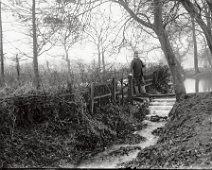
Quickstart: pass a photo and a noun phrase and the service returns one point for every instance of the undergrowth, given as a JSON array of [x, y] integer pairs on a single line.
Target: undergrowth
[[40, 130]]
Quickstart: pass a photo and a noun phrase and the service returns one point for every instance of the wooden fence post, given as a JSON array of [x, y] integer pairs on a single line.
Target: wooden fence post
[[122, 92], [130, 87], [113, 90], [18, 69], [92, 98]]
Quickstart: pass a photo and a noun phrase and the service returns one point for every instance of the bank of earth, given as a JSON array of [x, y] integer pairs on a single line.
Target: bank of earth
[[186, 139]]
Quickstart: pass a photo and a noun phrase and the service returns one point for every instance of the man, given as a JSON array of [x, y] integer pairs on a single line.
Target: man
[[136, 68]]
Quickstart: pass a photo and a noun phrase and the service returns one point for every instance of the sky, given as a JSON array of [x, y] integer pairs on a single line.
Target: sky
[[15, 41]]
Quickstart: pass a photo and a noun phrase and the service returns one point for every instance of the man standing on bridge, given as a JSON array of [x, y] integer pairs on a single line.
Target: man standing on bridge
[[136, 68]]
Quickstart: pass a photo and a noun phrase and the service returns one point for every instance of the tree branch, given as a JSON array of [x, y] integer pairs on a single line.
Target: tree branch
[[133, 15]]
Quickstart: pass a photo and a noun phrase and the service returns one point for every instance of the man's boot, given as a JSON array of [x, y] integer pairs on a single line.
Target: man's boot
[[136, 90], [143, 89]]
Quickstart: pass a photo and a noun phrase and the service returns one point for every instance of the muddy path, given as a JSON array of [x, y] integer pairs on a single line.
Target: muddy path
[[117, 155]]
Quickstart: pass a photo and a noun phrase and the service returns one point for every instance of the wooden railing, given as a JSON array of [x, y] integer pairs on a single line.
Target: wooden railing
[[112, 94]]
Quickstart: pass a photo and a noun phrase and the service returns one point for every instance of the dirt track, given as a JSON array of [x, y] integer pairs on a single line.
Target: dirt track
[[185, 141]]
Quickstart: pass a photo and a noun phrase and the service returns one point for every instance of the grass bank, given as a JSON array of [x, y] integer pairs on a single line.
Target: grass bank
[[43, 130], [185, 141]]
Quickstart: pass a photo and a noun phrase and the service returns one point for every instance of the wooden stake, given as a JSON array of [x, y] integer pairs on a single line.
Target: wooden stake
[[122, 92], [92, 98], [113, 90], [130, 87]]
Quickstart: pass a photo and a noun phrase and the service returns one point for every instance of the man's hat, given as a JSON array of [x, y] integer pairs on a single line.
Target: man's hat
[[136, 52]]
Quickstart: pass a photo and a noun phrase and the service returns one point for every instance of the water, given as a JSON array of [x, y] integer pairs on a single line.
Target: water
[[201, 84], [158, 107]]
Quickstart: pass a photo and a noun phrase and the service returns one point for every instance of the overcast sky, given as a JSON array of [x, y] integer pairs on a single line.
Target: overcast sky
[[15, 41]]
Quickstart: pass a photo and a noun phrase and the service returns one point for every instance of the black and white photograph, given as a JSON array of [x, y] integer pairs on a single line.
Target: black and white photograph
[[101, 84]]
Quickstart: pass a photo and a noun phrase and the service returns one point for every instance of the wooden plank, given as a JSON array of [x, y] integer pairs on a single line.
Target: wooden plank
[[107, 95], [160, 107], [149, 84], [113, 90], [102, 84], [140, 99], [169, 99], [199, 93], [156, 95], [163, 95], [130, 88], [65, 95], [92, 98], [122, 92], [148, 80], [102, 96]]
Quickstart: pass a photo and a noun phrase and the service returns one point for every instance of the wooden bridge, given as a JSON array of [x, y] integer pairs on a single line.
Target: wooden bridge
[[124, 91]]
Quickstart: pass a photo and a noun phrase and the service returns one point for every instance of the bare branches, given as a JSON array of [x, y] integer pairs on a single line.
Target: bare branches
[[134, 16]]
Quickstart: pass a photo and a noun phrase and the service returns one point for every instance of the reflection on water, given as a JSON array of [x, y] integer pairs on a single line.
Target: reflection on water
[[202, 84]]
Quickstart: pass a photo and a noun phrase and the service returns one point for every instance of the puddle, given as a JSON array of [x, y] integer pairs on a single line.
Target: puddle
[[118, 154]]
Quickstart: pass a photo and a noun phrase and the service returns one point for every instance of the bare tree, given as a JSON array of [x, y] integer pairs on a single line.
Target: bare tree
[[68, 37], [150, 14], [33, 17], [69, 28], [18, 69], [35, 52], [155, 10], [194, 10], [1, 49], [209, 2], [195, 47], [103, 34]]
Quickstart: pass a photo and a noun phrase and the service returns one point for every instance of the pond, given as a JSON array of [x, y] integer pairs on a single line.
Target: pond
[[201, 83]]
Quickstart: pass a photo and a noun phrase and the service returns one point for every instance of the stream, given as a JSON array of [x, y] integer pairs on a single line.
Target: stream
[[159, 109], [114, 156]]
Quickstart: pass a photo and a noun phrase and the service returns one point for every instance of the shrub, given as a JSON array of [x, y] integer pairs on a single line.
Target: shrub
[[161, 78]]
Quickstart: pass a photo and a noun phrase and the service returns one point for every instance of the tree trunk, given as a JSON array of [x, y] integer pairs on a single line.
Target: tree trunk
[[69, 70], [177, 78], [35, 53], [197, 85], [48, 68], [192, 11], [18, 69], [168, 51], [208, 55], [195, 46], [99, 58], [209, 60], [1, 51], [162, 35], [209, 2], [68, 63], [180, 68], [209, 20], [103, 64]]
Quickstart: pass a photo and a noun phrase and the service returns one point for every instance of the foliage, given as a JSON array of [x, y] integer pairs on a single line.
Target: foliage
[[185, 139], [161, 78], [39, 130]]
